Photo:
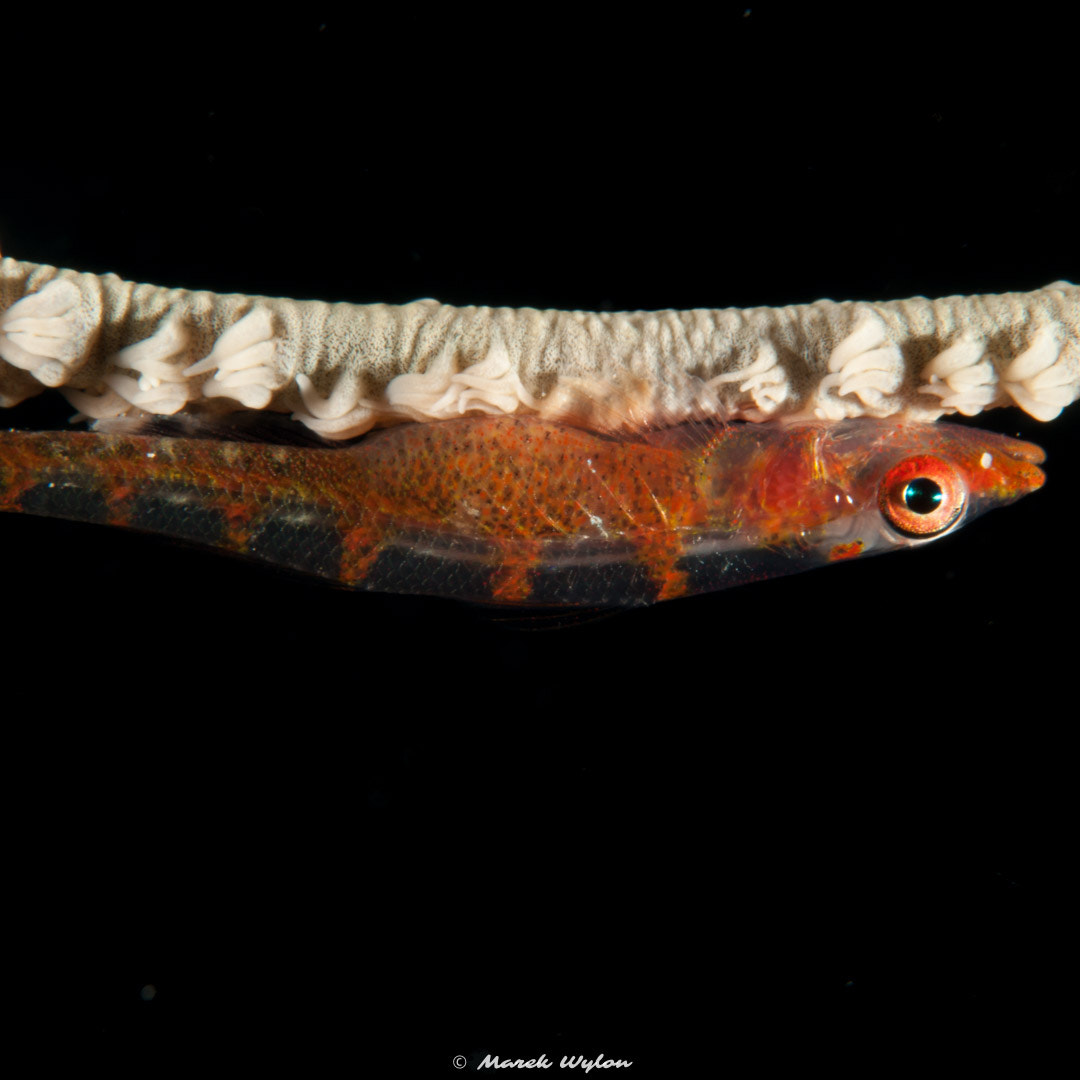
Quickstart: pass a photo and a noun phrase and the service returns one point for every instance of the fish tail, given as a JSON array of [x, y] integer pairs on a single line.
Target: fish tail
[[244, 498]]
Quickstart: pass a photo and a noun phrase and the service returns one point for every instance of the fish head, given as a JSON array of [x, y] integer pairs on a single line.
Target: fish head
[[901, 484]]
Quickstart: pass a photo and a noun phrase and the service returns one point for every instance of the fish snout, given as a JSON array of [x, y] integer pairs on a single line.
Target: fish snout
[[1008, 470]]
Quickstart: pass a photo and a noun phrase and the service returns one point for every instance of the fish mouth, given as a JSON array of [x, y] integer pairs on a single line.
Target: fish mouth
[[1026, 474], [1025, 451], [1016, 471], [1033, 477]]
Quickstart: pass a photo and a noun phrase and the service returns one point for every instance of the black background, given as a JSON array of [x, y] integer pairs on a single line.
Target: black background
[[822, 820]]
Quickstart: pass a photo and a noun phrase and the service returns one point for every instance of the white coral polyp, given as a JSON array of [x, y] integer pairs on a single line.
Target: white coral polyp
[[1038, 380], [440, 393], [865, 371], [244, 362], [162, 386], [43, 334], [341, 415], [765, 380], [962, 377]]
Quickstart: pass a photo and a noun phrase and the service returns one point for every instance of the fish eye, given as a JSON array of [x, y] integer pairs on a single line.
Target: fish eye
[[922, 497]]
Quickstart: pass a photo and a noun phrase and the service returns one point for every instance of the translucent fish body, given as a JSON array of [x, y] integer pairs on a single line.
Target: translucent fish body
[[529, 512]]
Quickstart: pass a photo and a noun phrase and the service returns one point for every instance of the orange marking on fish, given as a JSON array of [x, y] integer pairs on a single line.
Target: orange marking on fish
[[518, 510], [846, 551]]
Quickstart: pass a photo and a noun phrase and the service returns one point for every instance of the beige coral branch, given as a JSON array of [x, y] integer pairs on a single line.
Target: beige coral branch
[[116, 348]]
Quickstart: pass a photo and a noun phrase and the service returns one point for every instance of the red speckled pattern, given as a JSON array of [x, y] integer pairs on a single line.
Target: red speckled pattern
[[484, 507]]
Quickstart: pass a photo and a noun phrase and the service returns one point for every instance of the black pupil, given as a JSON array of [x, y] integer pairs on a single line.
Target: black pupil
[[922, 496]]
